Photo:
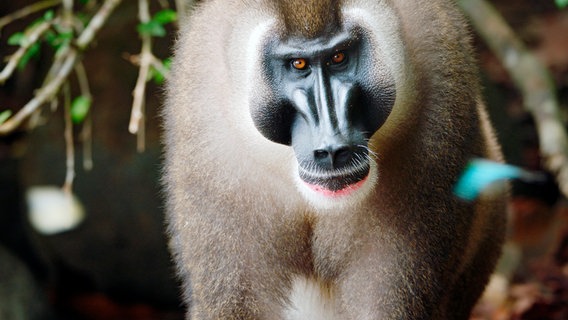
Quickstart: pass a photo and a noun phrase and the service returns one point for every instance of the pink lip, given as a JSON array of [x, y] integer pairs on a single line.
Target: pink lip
[[338, 193]]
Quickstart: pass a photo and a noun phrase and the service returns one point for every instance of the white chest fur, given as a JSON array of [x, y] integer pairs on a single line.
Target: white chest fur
[[309, 299]]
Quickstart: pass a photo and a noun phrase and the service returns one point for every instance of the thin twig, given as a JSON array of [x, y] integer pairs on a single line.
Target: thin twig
[[87, 131], [32, 37], [54, 104], [59, 74], [96, 23], [87, 139], [136, 125], [26, 11], [181, 8], [164, 3], [83, 80], [533, 80], [67, 15], [69, 144], [44, 94]]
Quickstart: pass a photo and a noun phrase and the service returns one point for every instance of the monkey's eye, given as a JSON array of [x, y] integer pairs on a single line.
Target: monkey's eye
[[338, 57], [299, 63]]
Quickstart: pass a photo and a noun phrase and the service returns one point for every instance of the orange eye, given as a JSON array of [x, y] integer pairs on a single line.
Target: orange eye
[[338, 57], [299, 63]]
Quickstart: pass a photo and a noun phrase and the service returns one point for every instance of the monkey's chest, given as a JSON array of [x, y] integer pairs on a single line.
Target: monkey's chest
[[310, 299]]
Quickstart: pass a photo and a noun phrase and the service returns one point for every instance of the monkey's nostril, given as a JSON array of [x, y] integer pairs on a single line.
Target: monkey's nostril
[[342, 156], [333, 157], [321, 154]]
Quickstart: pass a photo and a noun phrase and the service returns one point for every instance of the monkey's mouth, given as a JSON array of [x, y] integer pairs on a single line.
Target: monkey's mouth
[[336, 183]]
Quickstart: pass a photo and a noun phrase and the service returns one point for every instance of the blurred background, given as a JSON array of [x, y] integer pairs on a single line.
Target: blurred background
[[111, 260], [115, 263]]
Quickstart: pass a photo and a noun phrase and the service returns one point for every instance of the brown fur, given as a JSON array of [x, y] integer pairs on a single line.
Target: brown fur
[[309, 18], [240, 231]]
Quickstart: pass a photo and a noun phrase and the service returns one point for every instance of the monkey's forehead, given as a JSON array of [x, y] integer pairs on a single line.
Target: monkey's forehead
[[293, 45], [309, 19]]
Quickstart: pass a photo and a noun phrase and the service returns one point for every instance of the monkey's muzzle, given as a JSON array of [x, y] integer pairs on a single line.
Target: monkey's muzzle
[[336, 183]]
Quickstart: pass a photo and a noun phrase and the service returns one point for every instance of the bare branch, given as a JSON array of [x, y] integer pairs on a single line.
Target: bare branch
[[83, 80], [31, 38], [59, 73], [87, 139], [533, 80], [137, 116], [69, 144], [181, 8], [96, 23], [43, 95], [164, 3], [26, 11], [87, 131], [67, 15]]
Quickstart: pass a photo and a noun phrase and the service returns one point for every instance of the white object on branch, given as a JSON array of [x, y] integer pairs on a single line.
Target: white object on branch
[[52, 211]]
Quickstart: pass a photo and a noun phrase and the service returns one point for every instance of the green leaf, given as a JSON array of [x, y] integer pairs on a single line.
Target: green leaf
[[4, 115], [561, 3], [32, 52], [48, 15], [152, 28], [80, 108], [17, 39], [165, 16], [50, 37], [58, 40], [82, 18], [167, 62], [158, 76]]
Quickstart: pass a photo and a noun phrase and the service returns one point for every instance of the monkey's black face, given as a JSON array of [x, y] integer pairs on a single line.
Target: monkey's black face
[[327, 101]]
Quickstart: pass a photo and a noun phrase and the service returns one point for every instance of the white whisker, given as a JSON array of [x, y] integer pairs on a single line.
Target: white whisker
[[311, 169]]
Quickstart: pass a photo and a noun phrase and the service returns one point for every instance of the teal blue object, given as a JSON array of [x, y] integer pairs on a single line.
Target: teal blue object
[[480, 173]]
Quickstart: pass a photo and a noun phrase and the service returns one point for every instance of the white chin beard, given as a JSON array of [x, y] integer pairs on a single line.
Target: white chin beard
[[340, 200]]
